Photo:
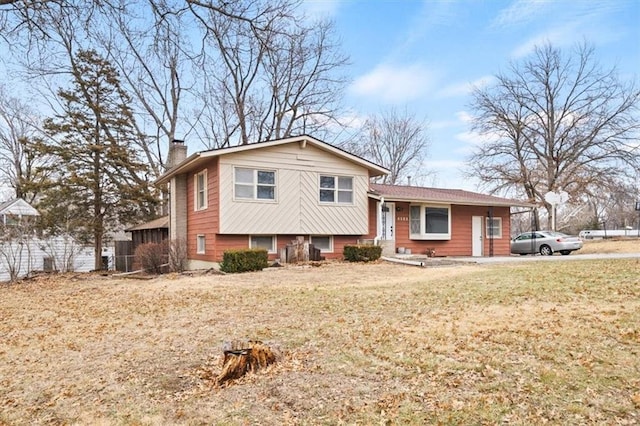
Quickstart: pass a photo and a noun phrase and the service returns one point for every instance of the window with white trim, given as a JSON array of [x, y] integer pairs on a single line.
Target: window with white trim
[[200, 244], [254, 184], [494, 227], [267, 242], [429, 222], [336, 189], [322, 242], [200, 190]]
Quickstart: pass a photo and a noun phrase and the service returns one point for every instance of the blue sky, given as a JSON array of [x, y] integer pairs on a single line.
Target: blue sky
[[426, 54]]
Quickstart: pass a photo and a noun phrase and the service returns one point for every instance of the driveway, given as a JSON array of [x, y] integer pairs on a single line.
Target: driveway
[[554, 258]]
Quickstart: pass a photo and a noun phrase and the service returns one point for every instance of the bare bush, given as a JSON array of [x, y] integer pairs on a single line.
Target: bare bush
[[178, 255], [150, 257]]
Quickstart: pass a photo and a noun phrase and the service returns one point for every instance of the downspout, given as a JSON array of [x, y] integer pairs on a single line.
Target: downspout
[[378, 218]]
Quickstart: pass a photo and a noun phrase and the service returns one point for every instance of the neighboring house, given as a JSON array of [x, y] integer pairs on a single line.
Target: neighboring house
[[266, 194], [22, 251], [17, 212]]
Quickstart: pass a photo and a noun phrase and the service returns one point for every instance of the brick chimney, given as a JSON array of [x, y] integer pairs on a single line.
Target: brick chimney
[[177, 153]]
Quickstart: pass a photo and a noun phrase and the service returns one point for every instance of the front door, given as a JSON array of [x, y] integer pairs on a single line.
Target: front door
[[476, 236], [386, 228], [387, 221]]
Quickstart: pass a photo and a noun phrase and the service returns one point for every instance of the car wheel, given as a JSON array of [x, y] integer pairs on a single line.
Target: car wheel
[[545, 250], [565, 252]]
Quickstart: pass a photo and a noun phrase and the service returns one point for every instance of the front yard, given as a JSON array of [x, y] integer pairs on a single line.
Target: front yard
[[557, 342]]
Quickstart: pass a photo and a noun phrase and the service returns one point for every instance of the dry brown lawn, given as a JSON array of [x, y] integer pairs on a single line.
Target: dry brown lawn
[[522, 343], [621, 245]]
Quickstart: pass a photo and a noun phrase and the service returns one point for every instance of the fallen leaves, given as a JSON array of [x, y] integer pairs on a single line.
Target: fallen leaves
[[357, 344]]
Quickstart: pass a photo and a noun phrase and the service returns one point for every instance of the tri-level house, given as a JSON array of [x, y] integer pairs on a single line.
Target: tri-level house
[[267, 194]]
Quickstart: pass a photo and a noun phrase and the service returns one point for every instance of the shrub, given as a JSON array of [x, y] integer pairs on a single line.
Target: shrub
[[244, 260], [362, 253], [178, 255], [151, 256]]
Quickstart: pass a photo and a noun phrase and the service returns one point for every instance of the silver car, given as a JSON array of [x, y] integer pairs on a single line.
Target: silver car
[[545, 243]]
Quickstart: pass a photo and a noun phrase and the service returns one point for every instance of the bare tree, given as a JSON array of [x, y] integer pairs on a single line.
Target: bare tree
[[20, 167], [398, 141], [264, 71], [301, 68], [556, 121], [612, 207], [278, 80], [156, 63]]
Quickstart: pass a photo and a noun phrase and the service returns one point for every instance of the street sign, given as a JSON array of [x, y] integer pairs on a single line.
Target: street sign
[[638, 206]]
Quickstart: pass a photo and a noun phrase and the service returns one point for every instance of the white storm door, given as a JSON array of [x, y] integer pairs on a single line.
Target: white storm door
[[386, 221], [476, 236]]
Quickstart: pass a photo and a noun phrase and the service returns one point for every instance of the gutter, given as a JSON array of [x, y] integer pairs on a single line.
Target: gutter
[[403, 261], [378, 216]]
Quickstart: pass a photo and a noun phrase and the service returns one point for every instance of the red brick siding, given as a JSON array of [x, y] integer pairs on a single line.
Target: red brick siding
[[461, 223], [207, 221], [234, 242], [373, 219]]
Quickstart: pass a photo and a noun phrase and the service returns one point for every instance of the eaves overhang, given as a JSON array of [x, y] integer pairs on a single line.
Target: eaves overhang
[[194, 161]]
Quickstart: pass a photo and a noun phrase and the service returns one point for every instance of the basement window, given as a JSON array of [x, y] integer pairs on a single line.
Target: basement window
[[267, 242], [322, 242]]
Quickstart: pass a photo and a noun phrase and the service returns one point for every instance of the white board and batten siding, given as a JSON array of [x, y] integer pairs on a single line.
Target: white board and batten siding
[[297, 208], [58, 250]]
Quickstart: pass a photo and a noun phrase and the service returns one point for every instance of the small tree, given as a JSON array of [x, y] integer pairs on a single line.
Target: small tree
[[178, 255], [63, 250], [101, 181], [15, 249]]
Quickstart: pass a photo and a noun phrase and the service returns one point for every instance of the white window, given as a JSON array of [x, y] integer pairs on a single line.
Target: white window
[[494, 227], [200, 190], [200, 244], [429, 222], [322, 242], [254, 184], [336, 189], [267, 242]]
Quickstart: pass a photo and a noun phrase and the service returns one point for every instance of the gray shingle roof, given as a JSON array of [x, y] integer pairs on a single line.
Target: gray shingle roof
[[441, 195]]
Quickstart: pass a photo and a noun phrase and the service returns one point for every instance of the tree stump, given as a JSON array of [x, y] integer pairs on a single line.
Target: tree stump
[[244, 357]]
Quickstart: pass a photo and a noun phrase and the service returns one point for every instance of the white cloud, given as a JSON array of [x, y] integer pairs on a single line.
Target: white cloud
[[318, 9], [443, 164], [519, 13], [465, 88], [570, 26], [558, 37], [352, 120], [395, 84], [464, 117]]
